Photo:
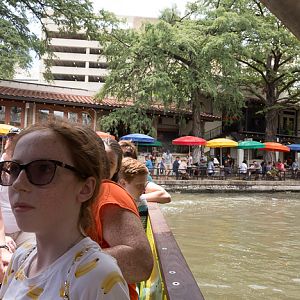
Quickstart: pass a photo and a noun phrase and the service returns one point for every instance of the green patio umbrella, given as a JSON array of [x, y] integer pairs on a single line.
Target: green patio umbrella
[[154, 144], [250, 145]]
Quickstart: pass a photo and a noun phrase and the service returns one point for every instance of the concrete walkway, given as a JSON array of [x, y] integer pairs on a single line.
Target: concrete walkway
[[232, 185]]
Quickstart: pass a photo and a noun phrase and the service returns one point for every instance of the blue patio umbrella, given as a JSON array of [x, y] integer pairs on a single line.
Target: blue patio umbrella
[[294, 147], [138, 137]]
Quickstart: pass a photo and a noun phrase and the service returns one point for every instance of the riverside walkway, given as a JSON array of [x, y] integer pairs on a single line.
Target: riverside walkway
[[228, 185]]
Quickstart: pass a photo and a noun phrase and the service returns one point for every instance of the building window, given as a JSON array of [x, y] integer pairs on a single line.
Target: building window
[[73, 117], [86, 119], [68, 77], [15, 116], [287, 125], [58, 114], [43, 115], [96, 79], [96, 51], [2, 114]]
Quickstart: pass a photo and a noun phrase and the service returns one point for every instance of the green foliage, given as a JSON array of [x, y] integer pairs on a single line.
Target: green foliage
[[131, 119], [225, 50], [172, 61], [19, 17]]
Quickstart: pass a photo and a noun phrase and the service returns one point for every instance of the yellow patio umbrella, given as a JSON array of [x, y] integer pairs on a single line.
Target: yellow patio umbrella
[[221, 143], [5, 128]]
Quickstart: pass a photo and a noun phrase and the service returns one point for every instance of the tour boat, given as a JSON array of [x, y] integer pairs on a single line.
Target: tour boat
[[171, 277]]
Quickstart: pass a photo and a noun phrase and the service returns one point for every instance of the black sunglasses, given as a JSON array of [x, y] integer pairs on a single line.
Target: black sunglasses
[[38, 172]]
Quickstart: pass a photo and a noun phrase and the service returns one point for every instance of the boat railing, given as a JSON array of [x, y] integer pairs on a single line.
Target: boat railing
[[171, 278]]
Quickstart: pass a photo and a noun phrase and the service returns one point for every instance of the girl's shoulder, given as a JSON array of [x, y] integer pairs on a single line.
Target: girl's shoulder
[[96, 273]]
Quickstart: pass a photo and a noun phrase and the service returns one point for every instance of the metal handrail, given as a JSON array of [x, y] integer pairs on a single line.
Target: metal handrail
[[178, 280]]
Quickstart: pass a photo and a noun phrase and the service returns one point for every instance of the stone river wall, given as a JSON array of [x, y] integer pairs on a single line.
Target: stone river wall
[[205, 185]]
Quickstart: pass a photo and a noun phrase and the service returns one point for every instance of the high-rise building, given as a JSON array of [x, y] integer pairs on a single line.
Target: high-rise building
[[77, 61]]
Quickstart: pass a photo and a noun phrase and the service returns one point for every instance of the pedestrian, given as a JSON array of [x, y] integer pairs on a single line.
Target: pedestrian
[[149, 164], [167, 156], [175, 167]]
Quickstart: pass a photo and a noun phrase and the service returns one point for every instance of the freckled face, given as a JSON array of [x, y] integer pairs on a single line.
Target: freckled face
[[137, 186], [43, 208]]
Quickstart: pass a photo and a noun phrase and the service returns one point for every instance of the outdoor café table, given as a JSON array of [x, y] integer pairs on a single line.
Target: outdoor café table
[[219, 172]]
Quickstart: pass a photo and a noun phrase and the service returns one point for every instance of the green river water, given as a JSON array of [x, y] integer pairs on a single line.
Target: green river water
[[239, 246]]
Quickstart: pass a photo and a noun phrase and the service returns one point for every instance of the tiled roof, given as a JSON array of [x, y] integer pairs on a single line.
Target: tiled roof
[[81, 100], [43, 95]]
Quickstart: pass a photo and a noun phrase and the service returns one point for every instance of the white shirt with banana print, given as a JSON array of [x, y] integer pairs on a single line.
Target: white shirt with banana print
[[83, 273]]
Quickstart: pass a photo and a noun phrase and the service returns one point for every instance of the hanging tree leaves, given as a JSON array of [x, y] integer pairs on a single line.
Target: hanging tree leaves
[[228, 51], [18, 18]]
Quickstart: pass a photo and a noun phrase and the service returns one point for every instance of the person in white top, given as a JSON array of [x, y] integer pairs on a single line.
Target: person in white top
[[54, 178], [167, 156], [244, 169]]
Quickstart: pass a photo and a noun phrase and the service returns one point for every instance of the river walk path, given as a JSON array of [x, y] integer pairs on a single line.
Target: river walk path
[[229, 185]]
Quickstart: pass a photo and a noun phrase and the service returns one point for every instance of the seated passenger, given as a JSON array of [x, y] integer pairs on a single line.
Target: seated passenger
[[117, 226], [133, 178], [153, 191], [53, 178], [128, 148]]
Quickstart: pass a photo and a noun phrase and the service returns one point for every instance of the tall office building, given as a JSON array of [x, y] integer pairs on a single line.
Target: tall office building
[[77, 61]]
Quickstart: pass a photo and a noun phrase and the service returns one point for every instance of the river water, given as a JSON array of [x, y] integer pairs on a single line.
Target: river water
[[239, 246]]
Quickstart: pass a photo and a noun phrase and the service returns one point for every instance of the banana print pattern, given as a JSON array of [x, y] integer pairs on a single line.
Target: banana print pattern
[[73, 275], [110, 281], [9, 272], [20, 275], [82, 270], [34, 292]]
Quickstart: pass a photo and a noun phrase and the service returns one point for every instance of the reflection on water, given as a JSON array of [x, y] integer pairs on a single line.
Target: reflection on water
[[240, 246]]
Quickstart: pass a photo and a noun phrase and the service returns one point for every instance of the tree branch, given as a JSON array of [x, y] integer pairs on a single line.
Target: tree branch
[[285, 61], [253, 67], [286, 86], [255, 93], [259, 7]]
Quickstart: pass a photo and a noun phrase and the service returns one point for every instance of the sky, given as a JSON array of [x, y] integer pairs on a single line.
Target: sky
[[139, 8]]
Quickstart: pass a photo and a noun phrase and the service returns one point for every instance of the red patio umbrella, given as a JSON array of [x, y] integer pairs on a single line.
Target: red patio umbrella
[[189, 140]]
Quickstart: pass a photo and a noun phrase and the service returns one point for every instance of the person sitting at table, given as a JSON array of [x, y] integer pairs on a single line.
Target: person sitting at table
[[258, 169], [183, 169], [263, 169], [211, 167], [281, 169], [227, 167], [271, 171], [243, 169], [251, 169]]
